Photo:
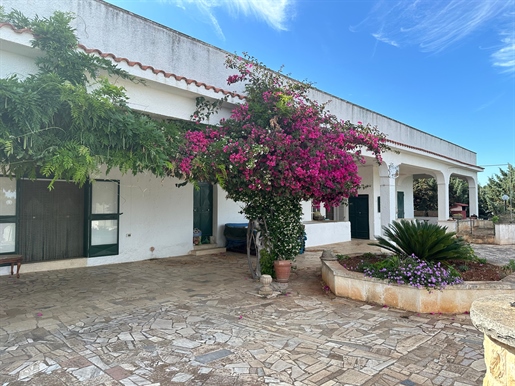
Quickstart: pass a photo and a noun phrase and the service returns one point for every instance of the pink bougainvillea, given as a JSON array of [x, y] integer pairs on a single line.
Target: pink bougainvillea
[[279, 141], [277, 149]]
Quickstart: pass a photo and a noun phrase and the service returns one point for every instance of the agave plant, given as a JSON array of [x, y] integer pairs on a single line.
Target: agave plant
[[429, 242]]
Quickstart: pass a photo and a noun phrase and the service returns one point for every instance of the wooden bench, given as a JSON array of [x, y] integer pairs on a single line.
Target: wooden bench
[[12, 259]]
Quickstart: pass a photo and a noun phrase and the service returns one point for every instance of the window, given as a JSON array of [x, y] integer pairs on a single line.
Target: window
[[7, 215], [104, 218]]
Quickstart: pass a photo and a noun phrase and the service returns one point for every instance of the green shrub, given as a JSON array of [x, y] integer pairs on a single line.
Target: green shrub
[[267, 263], [510, 267], [386, 264], [429, 242]]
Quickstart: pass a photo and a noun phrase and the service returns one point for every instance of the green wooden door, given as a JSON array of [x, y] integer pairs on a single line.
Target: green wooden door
[[358, 217], [203, 210], [400, 204]]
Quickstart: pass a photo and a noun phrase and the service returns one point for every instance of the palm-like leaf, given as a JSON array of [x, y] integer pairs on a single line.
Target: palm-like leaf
[[430, 242]]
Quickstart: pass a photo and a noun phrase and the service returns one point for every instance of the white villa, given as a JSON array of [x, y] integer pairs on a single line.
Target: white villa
[[124, 218]]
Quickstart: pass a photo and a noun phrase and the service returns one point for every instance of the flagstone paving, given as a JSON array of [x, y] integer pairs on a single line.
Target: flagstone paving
[[199, 321]]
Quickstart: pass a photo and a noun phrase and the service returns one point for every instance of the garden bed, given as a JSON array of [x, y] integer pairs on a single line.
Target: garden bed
[[453, 299], [469, 270]]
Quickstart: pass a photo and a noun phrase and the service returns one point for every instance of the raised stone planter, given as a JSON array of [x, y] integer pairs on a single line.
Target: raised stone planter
[[495, 317], [453, 299]]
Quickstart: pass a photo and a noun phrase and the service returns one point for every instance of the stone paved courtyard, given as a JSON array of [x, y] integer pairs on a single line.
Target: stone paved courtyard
[[198, 321]]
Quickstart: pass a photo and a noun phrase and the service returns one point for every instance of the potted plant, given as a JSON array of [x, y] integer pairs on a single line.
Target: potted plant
[[317, 216], [282, 269]]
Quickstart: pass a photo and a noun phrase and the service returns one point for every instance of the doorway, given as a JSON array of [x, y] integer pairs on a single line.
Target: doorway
[[358, 217], [203, 210]]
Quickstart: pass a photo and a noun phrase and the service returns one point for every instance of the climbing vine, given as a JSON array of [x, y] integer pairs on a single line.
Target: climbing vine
[[68, 118]]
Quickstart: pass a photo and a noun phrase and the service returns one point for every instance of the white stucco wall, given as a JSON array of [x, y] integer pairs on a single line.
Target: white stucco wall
[[326, 232], [151, 209], [16, 56], [505, 234], [167, 96], [225, 211]]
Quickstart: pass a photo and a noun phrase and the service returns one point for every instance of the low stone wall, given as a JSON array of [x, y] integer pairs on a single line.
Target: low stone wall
[[495, 317], [326, 232], [452, 300], [504, 234], [450, 225], [423, 213]]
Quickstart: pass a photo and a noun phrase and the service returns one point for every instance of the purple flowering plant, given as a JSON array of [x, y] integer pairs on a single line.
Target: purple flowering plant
[[413, 271]]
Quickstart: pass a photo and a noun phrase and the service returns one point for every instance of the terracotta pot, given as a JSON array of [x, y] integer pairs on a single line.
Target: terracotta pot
[[282, 270]]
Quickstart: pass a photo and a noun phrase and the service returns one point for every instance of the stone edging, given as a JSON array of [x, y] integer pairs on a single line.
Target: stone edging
[[452, 300], [495, 317]]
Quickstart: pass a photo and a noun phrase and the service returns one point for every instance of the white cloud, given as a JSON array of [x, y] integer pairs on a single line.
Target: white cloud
[[434, 25], [384, 39], [274, 12], [504, 57]]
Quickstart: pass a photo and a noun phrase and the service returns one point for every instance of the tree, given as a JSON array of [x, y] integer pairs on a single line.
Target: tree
[[484, 211], [66, 120], [458, 191], [425, 193], [277, 149], [499, 185]]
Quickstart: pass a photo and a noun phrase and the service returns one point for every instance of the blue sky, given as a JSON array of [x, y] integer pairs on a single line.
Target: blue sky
[[446, 67]]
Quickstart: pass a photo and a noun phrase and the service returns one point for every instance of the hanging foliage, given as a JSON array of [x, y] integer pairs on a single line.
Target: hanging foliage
[[67, 119]]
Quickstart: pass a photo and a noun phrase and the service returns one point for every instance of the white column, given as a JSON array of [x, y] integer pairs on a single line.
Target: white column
[[473, 199], [388, 197], [443, 196]]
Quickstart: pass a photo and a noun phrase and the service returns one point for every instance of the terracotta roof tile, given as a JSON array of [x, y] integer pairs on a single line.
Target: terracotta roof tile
[[17, 30], [162, 72]]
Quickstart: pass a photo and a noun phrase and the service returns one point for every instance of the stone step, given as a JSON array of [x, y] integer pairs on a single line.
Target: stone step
[[207, 249], [479, 239], [204, 246]]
